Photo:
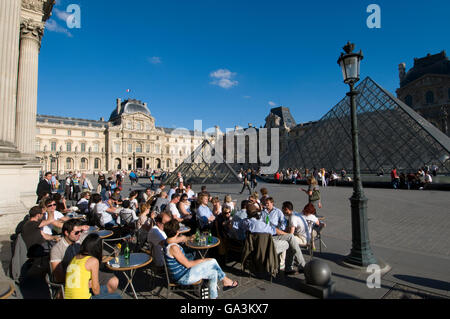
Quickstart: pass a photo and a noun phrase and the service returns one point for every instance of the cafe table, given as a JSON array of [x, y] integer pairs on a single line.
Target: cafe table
[[184, 229], [104, 233], [136, 261], [203, 248]]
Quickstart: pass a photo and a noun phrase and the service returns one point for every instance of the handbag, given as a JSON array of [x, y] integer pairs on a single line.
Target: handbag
[[315, 195]]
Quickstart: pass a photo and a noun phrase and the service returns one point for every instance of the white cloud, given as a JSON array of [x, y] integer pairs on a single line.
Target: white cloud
[[62, 15], [53, 26], [223, 78], [155, 60], [271, 103]]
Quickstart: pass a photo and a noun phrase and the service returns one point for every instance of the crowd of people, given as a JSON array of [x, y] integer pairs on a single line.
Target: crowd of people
[[153, 218], [421, 179], [322, 176]]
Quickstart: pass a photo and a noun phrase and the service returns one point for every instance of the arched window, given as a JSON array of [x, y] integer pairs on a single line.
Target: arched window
[[68, 163], [429, 97], [138, 148], [158, 163], [84, 163], [408, 100], [97, 163], [168, 163]]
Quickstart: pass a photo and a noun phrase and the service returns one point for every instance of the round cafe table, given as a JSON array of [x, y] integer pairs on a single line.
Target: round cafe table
[[184, 229], [136, 261], [6, 289], [104, 233], [203, 249]]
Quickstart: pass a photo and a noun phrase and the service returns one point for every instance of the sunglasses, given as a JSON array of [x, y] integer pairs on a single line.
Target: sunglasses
[[77, 232], [51, 205]]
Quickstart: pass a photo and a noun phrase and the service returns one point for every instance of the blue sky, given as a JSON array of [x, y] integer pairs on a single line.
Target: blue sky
[[225, 62]]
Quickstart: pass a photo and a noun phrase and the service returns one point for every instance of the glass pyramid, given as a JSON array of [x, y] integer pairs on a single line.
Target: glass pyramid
[[204, 166], [390, 134]]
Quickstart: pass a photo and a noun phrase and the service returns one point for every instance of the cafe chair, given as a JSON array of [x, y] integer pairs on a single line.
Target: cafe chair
[[197, 287], [259, 255], [56, 290]]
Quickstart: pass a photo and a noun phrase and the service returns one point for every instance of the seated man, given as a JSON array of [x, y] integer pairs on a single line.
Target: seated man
[[157, 237], [127, 216], [83, 203], [32, 232], [297, 224], [235, 232], [172, 207], [105, 211], [275, 217], [68, 247], [254, 224], [205, 216], [161, 202]]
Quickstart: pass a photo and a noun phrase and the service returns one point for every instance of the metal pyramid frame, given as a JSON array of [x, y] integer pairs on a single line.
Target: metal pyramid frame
[[390, 134], [201, 168]]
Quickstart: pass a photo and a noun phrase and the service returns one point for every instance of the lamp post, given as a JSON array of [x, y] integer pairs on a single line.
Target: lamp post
[[134, 160], [361, 253], [57, 163]]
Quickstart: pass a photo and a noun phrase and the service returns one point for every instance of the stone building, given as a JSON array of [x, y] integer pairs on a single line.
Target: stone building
[[128, 140], [426, 88]]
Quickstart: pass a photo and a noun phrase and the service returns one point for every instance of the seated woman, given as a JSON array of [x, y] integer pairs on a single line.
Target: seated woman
[[61, 205], [186, 272], [82, 272], [184, 207], [309, 213]]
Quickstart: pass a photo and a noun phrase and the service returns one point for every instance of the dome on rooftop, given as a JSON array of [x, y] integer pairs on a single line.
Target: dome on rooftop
[[129, 107]]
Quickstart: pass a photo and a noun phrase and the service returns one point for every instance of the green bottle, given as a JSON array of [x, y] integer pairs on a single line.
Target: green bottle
[[209, 238], [126, 252], [197, 236], [267, 219]]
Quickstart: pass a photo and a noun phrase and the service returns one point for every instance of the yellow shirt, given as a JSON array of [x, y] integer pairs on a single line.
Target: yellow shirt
[[77, 279]]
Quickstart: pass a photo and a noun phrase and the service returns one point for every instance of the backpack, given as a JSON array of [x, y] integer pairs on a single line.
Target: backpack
[[315, 195]]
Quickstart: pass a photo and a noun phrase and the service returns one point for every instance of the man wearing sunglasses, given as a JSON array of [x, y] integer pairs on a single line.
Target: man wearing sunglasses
[[68, 247]]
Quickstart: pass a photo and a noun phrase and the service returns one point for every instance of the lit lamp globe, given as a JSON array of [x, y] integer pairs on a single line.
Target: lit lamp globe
[[349, 64]]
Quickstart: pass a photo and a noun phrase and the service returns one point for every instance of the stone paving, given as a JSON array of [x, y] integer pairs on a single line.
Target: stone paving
[[408, 230]]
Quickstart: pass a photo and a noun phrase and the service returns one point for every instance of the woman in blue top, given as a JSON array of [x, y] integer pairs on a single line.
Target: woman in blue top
[[186, 272]]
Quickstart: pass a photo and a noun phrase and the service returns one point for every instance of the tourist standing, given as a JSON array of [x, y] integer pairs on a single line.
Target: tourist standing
[[44, 186]]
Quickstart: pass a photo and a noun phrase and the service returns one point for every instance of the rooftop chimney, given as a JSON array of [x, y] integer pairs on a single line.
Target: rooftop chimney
[[119, 102], [401, 71]]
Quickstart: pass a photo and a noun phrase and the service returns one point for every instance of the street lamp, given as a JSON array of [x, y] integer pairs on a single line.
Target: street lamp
[[57, 163], [361, 253], [134, 160]]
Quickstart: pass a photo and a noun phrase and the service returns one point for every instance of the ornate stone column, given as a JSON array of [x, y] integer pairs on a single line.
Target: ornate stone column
[[31, 33], [9, 55]]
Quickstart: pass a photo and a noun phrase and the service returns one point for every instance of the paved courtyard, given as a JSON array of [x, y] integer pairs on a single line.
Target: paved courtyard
[[408, 230]]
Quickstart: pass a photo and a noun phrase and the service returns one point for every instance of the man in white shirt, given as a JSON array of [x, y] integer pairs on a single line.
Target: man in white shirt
[[190, 192], [173, 189], [297, 224], [172, 207], [105, 211], [156, 237]]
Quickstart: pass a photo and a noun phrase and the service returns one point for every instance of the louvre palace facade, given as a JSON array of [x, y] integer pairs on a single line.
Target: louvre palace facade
[[128, 140]]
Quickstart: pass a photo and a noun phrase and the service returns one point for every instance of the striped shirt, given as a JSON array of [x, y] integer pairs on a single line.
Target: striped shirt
[[176, 270]]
